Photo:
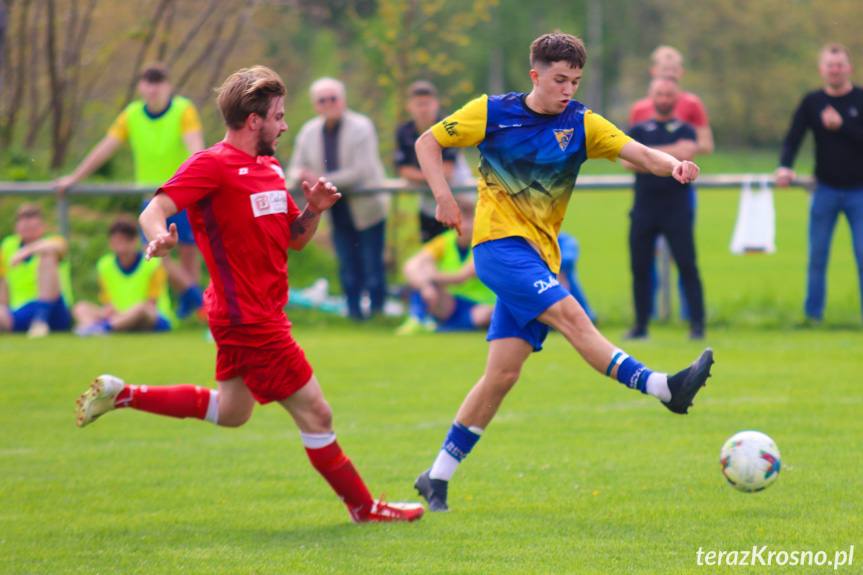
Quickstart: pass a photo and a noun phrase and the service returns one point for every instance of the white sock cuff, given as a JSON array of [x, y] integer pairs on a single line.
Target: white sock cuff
[[444, 466], [476, 430], [317, 440], [213, 408]]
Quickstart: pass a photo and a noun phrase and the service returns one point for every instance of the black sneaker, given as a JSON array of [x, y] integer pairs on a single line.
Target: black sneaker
[[685, 384], [433, 490]]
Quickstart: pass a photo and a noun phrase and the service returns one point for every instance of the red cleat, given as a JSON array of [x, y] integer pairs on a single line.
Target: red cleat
[[379, 511]]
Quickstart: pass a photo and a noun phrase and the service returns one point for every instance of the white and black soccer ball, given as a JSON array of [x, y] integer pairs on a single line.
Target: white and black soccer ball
[[750, 461]]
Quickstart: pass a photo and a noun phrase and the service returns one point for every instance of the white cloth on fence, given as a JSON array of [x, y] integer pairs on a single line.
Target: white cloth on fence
[[755, 229]]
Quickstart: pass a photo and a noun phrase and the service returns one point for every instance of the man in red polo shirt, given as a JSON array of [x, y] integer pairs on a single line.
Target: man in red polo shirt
[[244, 222], [665, 61]]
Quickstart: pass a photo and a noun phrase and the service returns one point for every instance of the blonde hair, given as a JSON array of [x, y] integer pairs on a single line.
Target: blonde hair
[[664, 53], [248, 91]]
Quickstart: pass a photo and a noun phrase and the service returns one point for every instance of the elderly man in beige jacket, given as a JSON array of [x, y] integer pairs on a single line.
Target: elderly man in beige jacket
[[342, 145]]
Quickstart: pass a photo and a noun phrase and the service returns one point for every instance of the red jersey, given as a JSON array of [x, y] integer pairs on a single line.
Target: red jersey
[[241, 213], [689, 108]]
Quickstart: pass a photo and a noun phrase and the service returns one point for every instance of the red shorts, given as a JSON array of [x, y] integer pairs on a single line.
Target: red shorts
[[272, 365]]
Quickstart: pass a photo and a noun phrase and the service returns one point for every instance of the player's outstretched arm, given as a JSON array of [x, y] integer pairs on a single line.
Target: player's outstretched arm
[[659, 163], [319, 197], [429, 153], [153, 222]]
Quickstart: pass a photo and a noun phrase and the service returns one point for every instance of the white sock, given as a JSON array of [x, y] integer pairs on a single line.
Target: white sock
[[317, 440], [657, 386], [213, 408], [444, 466]]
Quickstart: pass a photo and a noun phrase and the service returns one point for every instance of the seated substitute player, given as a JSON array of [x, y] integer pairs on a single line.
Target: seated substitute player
[[532, 146], [35, 284], [244, 222], [134, 289], [446, 290]]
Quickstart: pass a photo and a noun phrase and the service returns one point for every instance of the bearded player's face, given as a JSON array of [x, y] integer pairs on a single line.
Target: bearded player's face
[[271, 128]]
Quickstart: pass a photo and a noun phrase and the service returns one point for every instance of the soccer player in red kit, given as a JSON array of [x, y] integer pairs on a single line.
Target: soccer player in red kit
[[244, 222]]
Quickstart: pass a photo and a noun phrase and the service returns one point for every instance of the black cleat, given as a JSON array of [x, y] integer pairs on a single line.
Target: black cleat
[[685, 384], [433, 490]]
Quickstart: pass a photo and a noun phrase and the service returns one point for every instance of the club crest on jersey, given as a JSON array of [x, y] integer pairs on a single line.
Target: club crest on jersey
[[266, 203], [563, 138]]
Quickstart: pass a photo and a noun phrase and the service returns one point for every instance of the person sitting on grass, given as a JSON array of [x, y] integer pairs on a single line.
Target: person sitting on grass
[[35, 284], [446, 294], [134, 290]]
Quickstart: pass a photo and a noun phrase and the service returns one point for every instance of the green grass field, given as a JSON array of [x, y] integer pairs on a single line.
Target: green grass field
[[576, 475]]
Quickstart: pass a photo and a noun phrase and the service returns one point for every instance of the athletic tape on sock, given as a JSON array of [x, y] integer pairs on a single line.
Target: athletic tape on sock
[[617, 357]]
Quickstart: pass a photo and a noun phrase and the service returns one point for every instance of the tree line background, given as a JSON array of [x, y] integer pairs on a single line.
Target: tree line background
[[69, 66]]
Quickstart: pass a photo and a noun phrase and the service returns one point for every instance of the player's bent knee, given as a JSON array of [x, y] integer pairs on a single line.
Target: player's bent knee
[[235, 416], [322, 414], [502, 380]]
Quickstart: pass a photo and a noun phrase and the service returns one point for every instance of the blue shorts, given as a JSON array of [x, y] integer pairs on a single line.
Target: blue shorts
[[162, 324], [460, 319], [59, 318], [184, 228], [524, 285]]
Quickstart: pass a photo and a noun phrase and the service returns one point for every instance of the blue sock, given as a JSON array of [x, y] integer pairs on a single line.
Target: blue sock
[[106, 324], [631, 372], [416, 306], [460, 441], [41, 310]]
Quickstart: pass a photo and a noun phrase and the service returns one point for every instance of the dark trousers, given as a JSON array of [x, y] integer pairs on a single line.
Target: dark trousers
[[361, 260], [678, 229]]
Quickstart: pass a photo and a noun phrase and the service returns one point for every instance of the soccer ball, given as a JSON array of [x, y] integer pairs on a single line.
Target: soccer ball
[[750, 461]]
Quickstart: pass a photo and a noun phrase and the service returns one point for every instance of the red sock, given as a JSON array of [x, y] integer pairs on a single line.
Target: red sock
[[172, 400], [340, 473]]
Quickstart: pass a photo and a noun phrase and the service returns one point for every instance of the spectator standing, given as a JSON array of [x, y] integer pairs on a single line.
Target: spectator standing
[[163, 130], [667, 62], [342, 145], [662, 206], [424, 109], [834, 114]]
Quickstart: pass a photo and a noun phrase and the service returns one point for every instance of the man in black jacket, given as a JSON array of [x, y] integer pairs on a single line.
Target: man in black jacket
[[835, 116]]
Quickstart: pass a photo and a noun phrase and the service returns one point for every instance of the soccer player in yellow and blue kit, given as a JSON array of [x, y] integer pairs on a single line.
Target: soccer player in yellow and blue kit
[[532, 146]]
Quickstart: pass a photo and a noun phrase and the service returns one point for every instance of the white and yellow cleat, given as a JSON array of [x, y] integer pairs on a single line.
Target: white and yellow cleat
[[98, 400]]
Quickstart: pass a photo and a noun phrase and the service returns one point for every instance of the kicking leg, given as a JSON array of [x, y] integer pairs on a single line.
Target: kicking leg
[[108, 392], [676, 392]]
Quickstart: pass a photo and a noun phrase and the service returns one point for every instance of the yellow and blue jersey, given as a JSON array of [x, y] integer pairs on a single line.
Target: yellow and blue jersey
[[528, 164]]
